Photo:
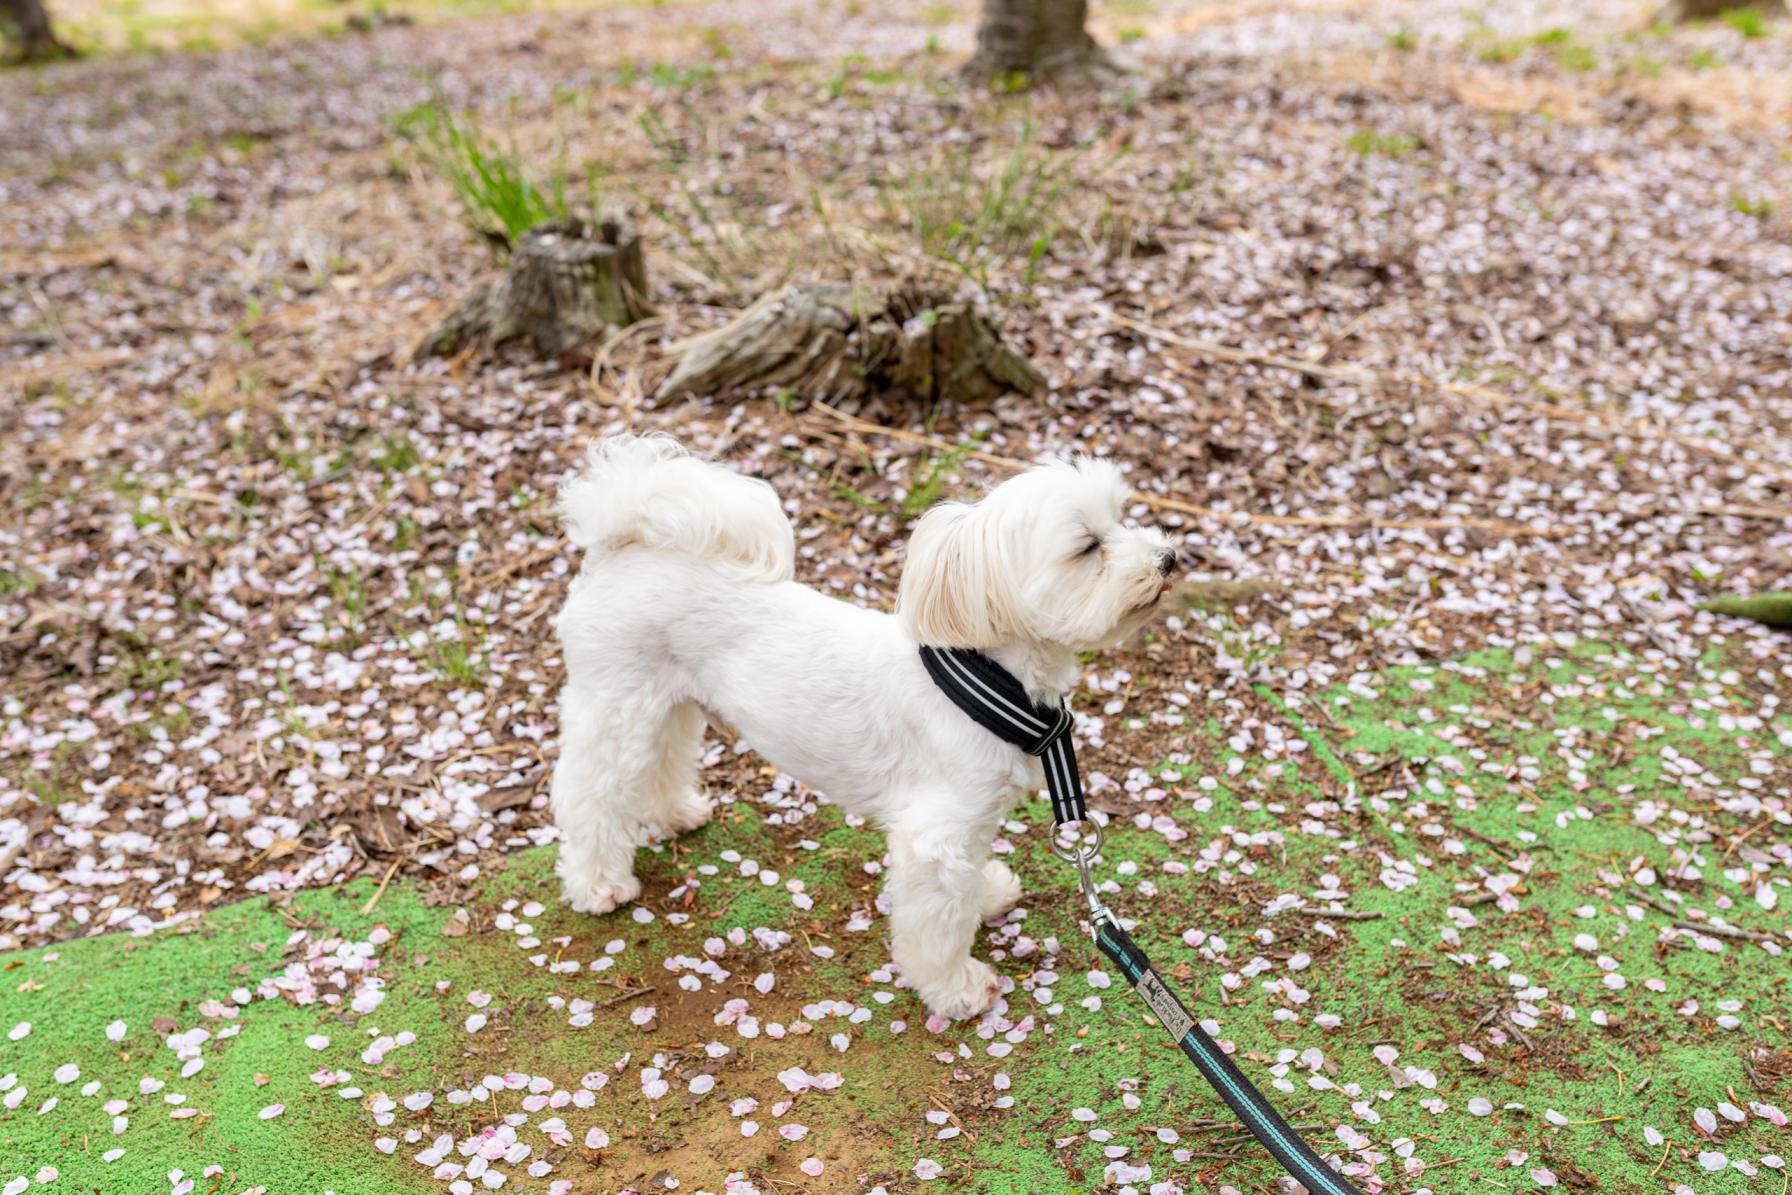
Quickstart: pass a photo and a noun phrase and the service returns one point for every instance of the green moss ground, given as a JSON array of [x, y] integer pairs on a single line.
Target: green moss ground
[[1576, 1100]]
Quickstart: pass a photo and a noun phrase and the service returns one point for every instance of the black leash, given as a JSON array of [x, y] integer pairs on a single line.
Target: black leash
[[988, 693]]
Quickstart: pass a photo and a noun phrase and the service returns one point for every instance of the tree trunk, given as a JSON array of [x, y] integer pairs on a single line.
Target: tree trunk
[[1676, 11], [567, 281], [1036, 38], [27, 21]]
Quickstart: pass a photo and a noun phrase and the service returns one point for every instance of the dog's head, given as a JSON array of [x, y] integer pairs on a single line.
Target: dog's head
[[1045, 558]]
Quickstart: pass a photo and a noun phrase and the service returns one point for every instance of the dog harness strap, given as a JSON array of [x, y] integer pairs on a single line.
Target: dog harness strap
[[990, 695], [1246, 1102], [986, 692]]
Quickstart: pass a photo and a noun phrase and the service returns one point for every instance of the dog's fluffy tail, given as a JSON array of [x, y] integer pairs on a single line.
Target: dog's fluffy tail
[[648, 492]]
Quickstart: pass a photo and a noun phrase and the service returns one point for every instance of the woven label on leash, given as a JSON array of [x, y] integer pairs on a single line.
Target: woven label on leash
[[1169, 1010]]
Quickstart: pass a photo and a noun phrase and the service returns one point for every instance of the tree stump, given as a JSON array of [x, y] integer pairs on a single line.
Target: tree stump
[[566, 282], [842, 343]]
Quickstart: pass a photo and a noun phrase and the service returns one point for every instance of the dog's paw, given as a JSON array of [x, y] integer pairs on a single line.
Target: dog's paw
[[601, 895], [1001, 889], [682, 815], [972, 990]]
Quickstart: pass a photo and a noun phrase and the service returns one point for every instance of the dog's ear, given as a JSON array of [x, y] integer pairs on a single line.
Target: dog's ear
[[952, 592]]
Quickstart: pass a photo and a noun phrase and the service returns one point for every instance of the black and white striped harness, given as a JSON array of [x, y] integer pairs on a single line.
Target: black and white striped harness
[[989, 693]]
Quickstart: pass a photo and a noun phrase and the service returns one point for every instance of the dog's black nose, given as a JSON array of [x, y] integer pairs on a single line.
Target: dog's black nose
[[1166, 562]]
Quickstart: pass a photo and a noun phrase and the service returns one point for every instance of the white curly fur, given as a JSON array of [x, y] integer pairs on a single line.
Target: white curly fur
[[685, 606]]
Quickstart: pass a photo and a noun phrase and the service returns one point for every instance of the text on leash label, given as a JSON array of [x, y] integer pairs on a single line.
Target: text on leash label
[[1165, 1006]]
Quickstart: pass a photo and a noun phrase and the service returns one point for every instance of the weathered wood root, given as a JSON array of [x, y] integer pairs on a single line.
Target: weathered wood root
[[567, 281], [1772, 609], [1675, 12], [840, 342]]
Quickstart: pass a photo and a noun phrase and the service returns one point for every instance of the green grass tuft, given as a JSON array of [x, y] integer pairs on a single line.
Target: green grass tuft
[[927, 490], [1750, 22], [679, 78], [1569, 54], [396, 455], [973, 213], [1505, 50], [20, 581], [499, 200], [459, 659], [1390, 145], [1572, 56]]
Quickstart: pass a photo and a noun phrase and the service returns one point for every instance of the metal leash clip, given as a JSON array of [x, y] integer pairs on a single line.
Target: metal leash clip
[[1082, 854]]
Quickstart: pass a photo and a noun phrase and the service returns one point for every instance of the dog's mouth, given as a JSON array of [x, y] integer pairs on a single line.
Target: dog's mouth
[[1163, 587]]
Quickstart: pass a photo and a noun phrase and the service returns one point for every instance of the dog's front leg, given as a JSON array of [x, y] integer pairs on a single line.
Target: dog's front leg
[[937, 896]]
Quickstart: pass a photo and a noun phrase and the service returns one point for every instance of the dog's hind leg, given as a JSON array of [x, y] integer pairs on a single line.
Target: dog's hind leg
[[675, 803], [610, 762]]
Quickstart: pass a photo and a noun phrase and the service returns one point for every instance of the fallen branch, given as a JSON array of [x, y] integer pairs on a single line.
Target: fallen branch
[[1682, 921]]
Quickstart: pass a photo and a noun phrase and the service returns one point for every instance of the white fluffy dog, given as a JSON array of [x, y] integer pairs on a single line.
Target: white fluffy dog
[[685, 606]]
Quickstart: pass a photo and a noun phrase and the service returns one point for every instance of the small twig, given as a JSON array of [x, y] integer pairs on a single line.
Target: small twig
[[1746, 835], [1661, 641], [1379, 768], [1724, 931], [970, 1134], [381, 890], [1504, 848], [1682, 921], [375, 511], [518, 564], [1347, 915], [601, 361], [628, 995]]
